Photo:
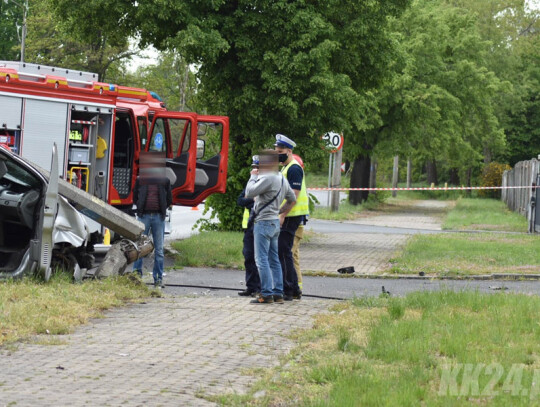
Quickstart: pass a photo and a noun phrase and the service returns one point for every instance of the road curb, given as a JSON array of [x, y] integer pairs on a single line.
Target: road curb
[[498, 276]]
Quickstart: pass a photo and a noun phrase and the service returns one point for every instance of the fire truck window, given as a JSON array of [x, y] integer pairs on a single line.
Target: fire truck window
[[143, 130], [187, 138], [158, 141], [212, 134]]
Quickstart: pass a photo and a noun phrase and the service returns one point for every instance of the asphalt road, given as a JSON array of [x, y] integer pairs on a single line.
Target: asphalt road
[[338, 287]]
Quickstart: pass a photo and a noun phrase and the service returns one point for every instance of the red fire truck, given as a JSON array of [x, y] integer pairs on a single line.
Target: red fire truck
[[100, 130]]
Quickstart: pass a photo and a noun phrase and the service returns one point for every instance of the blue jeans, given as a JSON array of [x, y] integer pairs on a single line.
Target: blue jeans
[[154, 222], [266, 233]]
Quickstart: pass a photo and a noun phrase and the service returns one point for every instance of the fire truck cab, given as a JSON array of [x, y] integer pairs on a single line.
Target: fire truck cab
[[100, 130]]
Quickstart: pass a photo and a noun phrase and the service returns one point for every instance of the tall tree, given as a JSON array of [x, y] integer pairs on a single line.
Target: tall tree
[[440, 102], [53, 41], [299, 67], [11, 19]]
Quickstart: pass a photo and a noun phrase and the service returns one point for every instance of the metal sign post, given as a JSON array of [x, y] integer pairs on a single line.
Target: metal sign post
[[334, 142]]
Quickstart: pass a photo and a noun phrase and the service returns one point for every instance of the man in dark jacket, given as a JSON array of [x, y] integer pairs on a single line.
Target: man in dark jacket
[[152, 196]]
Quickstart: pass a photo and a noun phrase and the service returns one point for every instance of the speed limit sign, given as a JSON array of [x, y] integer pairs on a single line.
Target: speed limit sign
[[333, 141]]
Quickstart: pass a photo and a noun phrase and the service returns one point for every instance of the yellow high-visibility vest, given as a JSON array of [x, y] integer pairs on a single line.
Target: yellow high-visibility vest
[[245, 218], [302, 202]]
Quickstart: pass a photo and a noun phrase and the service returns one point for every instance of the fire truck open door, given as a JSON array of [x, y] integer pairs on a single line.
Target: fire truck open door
[[175, 134], [212, 157]]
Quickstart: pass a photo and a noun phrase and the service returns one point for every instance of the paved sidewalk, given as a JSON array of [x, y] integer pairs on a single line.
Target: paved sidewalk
[[369, 251], [168, 352]]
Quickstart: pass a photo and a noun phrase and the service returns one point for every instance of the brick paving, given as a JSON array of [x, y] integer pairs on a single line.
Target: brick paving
[[369, 253], [167, 352]]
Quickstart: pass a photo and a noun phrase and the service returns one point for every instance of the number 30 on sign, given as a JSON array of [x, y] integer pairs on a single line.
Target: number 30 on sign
[[333, 141]]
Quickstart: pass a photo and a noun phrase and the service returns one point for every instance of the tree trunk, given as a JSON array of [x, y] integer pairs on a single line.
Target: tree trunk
[[360, 179], [487, 155], [373, 176], [454, 176], [431, 169]]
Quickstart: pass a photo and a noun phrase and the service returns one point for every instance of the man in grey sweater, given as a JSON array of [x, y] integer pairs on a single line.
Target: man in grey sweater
[[269, 189]]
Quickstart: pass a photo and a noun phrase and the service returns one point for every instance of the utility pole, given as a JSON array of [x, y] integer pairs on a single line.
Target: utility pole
[[395, 175], [23, 31]]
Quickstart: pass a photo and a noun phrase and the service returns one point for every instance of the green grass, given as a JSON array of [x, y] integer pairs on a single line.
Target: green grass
[[346, 211], [469, 253], [29, 307], [320, 180], [402, 352], [211, 249], [484, 214]]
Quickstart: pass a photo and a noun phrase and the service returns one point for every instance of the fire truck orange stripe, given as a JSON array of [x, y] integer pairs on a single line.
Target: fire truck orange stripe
[[132, 92]]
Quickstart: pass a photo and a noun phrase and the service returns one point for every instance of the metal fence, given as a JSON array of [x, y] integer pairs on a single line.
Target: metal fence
[[524, 173]]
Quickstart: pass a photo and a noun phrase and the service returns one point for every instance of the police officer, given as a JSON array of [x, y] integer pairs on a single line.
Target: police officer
[[253, 281], [294, 173]]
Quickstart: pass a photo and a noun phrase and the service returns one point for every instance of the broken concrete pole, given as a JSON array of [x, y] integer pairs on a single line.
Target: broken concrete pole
[[98, 210], [121, 254]]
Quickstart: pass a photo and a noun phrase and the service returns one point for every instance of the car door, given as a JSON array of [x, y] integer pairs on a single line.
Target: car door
[[212, 160], [50, 210], [175, 134]]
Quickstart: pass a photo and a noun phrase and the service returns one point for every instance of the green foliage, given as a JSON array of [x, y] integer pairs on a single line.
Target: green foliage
[[440, 102], [55, 39], [171, 78], [11, 18], [492, 177]]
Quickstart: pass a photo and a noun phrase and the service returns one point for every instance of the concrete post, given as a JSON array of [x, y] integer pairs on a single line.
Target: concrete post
[[395, 175], [336, 180]]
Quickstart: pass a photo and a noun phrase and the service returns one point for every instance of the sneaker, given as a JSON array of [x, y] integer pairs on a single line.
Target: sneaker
[[261, 299], [288, 297], [278, 299], [297, 295], [247, 293], [159, 284]]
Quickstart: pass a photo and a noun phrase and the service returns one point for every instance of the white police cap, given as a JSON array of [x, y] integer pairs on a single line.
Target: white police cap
[[284, 141]]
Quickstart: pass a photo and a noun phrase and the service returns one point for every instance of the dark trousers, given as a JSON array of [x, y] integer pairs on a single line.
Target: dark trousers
[[253, 281], [285, 244]]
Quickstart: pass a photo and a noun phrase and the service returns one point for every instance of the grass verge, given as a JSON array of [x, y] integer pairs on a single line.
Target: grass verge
[[320, 180], [433, 349], [28, 307], [484, 214], [211, 249], [469, 253], [348, 211]]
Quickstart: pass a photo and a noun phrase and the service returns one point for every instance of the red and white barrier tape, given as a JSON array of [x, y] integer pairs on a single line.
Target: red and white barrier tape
[[420, 188]]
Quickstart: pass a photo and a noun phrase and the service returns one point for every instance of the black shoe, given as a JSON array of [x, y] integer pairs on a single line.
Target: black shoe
[[288, 297], [247, 293], [278, 299], [261, 299], [297, 295]]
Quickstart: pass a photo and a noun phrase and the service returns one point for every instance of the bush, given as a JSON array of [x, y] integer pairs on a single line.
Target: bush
[[492, 177]]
